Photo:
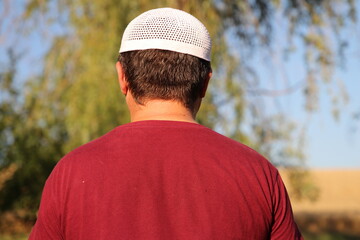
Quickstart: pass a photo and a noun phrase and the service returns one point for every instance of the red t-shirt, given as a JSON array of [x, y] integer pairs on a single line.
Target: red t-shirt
[[164, 180]]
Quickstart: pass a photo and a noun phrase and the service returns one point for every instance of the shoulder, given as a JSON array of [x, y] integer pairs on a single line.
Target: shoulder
[[238, 158], [231, 146], [90, 151]]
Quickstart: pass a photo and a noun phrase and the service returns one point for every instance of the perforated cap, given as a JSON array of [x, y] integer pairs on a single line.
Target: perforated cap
[[167, 29]]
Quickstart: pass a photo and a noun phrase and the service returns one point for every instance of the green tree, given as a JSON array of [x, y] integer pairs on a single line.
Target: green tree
[[29, 145]]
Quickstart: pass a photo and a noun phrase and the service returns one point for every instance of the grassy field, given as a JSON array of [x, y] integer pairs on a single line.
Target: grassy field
[[14, 237], [339, 191], [329, 236], [336, 212]]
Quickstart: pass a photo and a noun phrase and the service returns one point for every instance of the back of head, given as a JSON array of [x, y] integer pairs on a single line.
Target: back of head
[[165, 54]]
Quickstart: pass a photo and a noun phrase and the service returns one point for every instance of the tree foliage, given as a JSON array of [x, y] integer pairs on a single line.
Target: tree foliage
[[76, 96], [29, 144]]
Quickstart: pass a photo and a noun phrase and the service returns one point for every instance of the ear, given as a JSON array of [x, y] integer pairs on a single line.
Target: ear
[[206, 83], [121, 77]]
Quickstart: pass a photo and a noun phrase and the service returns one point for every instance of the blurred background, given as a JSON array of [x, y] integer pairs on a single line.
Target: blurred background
[[285, 82]]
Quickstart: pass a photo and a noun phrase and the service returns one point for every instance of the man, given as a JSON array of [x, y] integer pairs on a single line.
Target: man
[[163, 176]]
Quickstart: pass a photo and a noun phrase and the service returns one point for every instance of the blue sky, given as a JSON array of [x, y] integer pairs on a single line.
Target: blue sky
[[331, 143], [337, 143]]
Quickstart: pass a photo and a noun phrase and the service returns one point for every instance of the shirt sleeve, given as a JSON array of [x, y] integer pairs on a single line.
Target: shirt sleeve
[[48, 224], [284, 226]]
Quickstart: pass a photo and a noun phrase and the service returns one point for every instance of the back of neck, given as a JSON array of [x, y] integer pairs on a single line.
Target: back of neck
[[161, 110]]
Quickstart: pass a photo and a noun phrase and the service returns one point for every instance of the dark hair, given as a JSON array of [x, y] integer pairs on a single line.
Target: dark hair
[[167, 75]]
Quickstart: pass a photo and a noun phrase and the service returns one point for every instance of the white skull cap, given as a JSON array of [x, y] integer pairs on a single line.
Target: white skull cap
[[167, 29]]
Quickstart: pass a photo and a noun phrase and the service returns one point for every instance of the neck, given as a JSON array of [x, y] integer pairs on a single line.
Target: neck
[[161, 110]]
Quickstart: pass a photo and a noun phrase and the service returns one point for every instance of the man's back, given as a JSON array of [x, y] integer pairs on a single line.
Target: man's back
[[164, 180]]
